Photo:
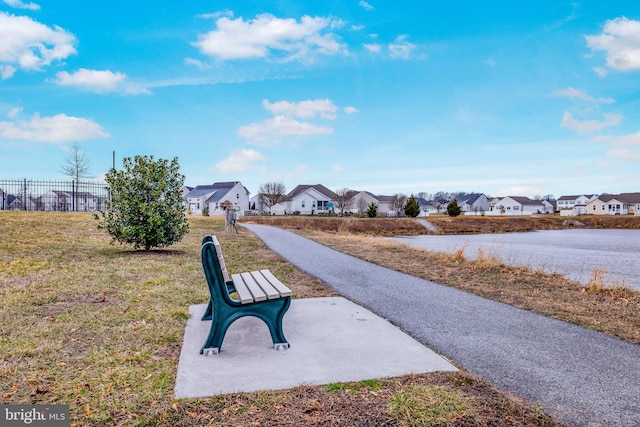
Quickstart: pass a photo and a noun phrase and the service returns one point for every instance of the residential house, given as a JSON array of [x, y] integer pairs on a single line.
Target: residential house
[[80, 201], [615, 204], [54, 200], [427, 207], [473, 204], [306, 200], [514, 205], [208, 199], [575, 204], [633, 199], [15, 203], [361, 201]]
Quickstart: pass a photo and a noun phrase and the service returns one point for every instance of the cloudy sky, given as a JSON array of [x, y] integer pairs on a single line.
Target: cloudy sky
[[505, 98]]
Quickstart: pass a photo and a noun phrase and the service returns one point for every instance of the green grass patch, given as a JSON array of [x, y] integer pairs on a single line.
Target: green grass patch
[[355, 387], [423, 406]]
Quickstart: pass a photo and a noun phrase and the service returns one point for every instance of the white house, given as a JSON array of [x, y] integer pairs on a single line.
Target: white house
[[473, 204], [514, 205], [361, 201], [306, 200], [427, 207], [575, 204], [615, 204], [207, 199]]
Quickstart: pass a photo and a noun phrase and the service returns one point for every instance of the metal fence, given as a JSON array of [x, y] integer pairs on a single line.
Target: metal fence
[[52, 196]]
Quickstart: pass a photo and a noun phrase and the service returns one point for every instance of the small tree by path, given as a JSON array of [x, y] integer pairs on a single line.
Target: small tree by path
[[372, 210], [453, 209], [145, 207], [412, 208]]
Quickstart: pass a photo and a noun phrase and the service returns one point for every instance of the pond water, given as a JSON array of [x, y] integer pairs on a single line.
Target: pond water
[[572, 253]]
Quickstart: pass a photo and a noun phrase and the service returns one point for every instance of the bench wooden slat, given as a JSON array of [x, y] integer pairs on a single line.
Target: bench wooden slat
[[267, 287], [254, 288], [241, 288], [281, 287], [223, 266]]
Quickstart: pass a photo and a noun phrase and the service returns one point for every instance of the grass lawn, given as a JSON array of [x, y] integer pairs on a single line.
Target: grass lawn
[[100, 326]]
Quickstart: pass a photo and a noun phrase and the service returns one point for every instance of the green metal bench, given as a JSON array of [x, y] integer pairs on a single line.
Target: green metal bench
[[259, 294]]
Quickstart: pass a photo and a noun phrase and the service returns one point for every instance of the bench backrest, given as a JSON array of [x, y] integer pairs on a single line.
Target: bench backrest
[[214, 269], [218, 250]]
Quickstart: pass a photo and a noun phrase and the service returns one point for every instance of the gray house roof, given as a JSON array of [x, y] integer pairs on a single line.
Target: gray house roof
[[217, 191], [318, 187], [469, 199], [526, 201], [575, 197]]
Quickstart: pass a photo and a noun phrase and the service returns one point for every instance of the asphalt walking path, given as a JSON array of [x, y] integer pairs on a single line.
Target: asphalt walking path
[[581, 377]]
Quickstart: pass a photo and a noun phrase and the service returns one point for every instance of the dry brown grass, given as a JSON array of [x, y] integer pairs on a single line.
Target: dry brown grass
[[100, 327]]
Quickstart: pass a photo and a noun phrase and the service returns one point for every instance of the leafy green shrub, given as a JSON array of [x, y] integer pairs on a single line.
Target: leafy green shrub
[[145, 207]]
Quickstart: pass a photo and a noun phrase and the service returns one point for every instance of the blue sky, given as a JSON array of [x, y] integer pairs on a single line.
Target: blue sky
[[505, 98]]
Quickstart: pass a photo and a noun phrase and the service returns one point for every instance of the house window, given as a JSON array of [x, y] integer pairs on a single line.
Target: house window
[[516, 208], [302, 204]]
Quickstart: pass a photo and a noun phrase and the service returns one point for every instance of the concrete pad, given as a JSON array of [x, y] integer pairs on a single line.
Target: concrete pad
[[332, 340]]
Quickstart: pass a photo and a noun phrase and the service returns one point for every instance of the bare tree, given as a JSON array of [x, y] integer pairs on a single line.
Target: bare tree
[[76, 164], [272, 193], [344, 199], [397, 203]]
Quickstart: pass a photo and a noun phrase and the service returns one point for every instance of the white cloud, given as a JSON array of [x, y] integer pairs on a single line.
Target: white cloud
[[197, 63], [21, 5], [401, 48], [620, 141], [92, 80], [620, 39], [99, 81], [268, 35], [365, 5], [56, 129], [30, 45], [6, 71], [238, 161], [624, 154], [601, 72], [350, 110], [303, 109], [575, 93], [338, 168], [14, 112], [224, 13], [590, 126], [373, 47], [582, 95], [280, 126]]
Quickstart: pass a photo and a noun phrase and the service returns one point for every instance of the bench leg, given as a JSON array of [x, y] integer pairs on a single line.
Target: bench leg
[[271, 312], [216, 334], [208, 314], [275, 326]]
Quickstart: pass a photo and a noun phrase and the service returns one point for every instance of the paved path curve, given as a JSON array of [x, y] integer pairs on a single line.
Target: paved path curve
[[581, 377]]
